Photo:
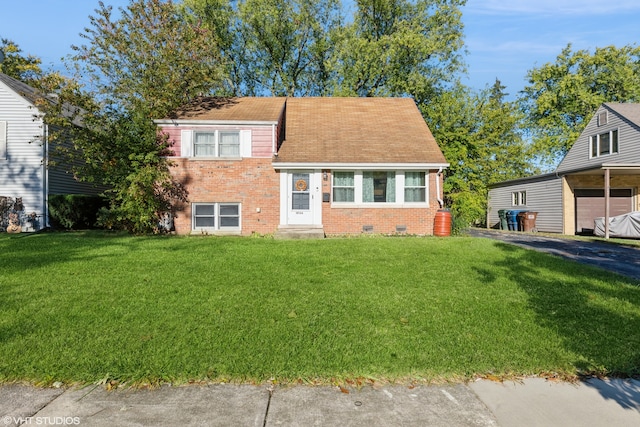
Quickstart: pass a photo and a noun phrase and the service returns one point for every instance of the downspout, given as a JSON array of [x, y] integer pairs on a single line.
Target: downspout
[[273, 139], [45, 163], [440, 201], [607, 201]]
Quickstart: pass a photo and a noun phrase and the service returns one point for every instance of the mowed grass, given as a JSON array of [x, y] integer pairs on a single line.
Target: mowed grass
[[81, 307]]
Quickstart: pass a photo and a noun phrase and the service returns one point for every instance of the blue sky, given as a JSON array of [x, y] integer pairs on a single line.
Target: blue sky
[[504, 38]]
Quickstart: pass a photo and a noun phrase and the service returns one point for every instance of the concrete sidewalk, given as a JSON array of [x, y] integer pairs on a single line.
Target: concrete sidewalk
[[530, 402]]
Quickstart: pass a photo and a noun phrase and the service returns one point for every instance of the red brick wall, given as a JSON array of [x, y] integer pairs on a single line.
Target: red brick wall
[[255, 184], [252, 182]]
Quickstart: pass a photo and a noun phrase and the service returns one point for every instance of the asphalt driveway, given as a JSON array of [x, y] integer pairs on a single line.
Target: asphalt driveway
[[624, 260]]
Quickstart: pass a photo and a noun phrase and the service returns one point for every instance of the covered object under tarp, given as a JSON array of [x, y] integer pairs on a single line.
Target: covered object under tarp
[[626, 225]]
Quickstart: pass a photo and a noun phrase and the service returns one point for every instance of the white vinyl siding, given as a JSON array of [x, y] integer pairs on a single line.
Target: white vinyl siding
[[22, 173]]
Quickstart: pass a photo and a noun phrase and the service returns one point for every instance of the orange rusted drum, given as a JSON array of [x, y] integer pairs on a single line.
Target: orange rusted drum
[[442, 223]]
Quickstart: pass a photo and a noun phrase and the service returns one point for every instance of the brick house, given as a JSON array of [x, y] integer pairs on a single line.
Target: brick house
[[323, 166]]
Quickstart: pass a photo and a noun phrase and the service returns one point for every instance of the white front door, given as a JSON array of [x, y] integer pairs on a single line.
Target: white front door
[[300, 198]]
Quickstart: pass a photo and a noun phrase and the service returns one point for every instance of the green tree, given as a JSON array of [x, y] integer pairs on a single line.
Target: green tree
[[400, 47], [135, 68], [561, 97], [149, 59], [27, 69], [480, 136]]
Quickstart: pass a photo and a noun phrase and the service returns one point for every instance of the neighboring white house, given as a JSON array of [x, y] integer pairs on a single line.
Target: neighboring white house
[[606, 156], [24, 155]]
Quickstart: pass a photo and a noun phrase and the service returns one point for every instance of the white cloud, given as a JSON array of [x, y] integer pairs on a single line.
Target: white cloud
[[568, 7]]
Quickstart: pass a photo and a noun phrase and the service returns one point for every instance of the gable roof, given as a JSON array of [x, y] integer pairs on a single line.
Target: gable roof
[[231, 110], [25, 91], [357, 131], [624, 117], [627, 110]]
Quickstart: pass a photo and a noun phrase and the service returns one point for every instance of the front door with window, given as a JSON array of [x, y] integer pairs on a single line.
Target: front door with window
[[301, 198]]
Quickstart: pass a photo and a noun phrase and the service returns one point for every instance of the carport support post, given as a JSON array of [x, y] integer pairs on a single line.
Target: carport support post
[[607, 186]]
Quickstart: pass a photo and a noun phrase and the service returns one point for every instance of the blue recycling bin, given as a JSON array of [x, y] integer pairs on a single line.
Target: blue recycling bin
[[512, 219]]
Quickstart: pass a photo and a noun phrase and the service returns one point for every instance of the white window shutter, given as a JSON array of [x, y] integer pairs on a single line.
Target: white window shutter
[[245, 143], [186, 143], [3, 140]]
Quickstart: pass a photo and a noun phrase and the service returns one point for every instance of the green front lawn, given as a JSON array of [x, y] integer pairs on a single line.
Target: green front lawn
[[80, 307]]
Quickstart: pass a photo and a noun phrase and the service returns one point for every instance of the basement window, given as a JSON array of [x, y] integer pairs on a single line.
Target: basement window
[[216, 217]]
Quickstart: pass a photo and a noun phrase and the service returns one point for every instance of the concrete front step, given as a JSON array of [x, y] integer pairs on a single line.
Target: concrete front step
[[299, 232]]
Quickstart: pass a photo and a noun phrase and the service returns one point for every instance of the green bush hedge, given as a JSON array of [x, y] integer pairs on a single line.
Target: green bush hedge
[[74, 211]]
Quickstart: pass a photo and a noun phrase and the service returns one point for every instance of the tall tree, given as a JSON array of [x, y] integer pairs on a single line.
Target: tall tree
[[561, 96], [287, 45], [148, 59], [400, 47], [480, 137], [136, 68]]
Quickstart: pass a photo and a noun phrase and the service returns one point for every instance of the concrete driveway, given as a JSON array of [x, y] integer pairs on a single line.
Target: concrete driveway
[[624, 260]]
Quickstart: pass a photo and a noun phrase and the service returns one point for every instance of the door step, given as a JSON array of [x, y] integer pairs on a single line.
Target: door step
[[285, 232]]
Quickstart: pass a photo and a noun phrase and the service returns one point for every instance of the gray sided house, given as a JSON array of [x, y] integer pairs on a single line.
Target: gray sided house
[[25, 156], [604, 159]]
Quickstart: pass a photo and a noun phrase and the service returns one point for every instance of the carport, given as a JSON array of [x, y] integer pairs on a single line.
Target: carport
[[607, 191]]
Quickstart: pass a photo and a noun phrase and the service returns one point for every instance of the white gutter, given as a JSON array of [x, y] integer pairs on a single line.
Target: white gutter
[[222, 123], [440, 201], [360, 166]]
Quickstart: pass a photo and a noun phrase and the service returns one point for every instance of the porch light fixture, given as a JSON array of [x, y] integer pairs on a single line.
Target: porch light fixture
[[324, 175]]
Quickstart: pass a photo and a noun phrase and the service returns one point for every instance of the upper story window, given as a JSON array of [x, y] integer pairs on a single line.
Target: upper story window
[[217, 144], [604, 143]]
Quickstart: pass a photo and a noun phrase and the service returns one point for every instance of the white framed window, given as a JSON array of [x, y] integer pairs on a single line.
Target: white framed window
[[415, 187], [215, 216], [604, 144], [380, 188], [519, 198], [344, 187], [216, 143]]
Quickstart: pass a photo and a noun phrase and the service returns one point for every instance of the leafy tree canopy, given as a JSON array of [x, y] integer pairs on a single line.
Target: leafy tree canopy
[[561, 97], [480, 136], [24, 68]]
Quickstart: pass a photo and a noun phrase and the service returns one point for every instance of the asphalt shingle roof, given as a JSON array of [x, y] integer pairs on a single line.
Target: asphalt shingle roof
[[323, 130], [357, 130], [628, 110], [232, 109]]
